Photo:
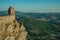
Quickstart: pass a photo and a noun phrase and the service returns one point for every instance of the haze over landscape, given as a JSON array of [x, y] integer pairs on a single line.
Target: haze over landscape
[[41, 18], [31, 5]]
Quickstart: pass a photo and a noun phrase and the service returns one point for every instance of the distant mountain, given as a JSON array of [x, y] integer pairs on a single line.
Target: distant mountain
[[3, 13], [33, 15]]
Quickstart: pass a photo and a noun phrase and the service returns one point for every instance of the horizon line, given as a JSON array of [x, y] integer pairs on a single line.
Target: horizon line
[[31, 11]]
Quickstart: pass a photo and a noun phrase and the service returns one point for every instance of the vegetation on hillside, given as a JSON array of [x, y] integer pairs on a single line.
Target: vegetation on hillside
[[39, 30]]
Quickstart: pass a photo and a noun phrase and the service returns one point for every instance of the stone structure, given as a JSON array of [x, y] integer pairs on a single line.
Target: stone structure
[[10, 29], [10, 18]]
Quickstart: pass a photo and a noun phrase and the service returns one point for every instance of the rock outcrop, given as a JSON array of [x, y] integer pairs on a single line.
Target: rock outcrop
[[11, 30]]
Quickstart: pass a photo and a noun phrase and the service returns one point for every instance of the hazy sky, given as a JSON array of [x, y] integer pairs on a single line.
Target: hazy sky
[[31, 5]]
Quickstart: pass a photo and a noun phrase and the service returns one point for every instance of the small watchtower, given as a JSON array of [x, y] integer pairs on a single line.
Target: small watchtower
[[11, 11], [10, 18]]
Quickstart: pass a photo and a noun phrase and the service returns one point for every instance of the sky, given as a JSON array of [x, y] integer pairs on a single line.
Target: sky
[[31, 5]]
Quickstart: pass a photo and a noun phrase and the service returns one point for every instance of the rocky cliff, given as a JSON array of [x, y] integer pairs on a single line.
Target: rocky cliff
[[12, 31]]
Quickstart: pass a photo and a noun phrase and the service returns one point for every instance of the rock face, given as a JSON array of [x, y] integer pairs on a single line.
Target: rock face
[[12, 30]]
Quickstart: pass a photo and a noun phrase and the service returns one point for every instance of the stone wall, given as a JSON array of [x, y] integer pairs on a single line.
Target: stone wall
[[7, 19]]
